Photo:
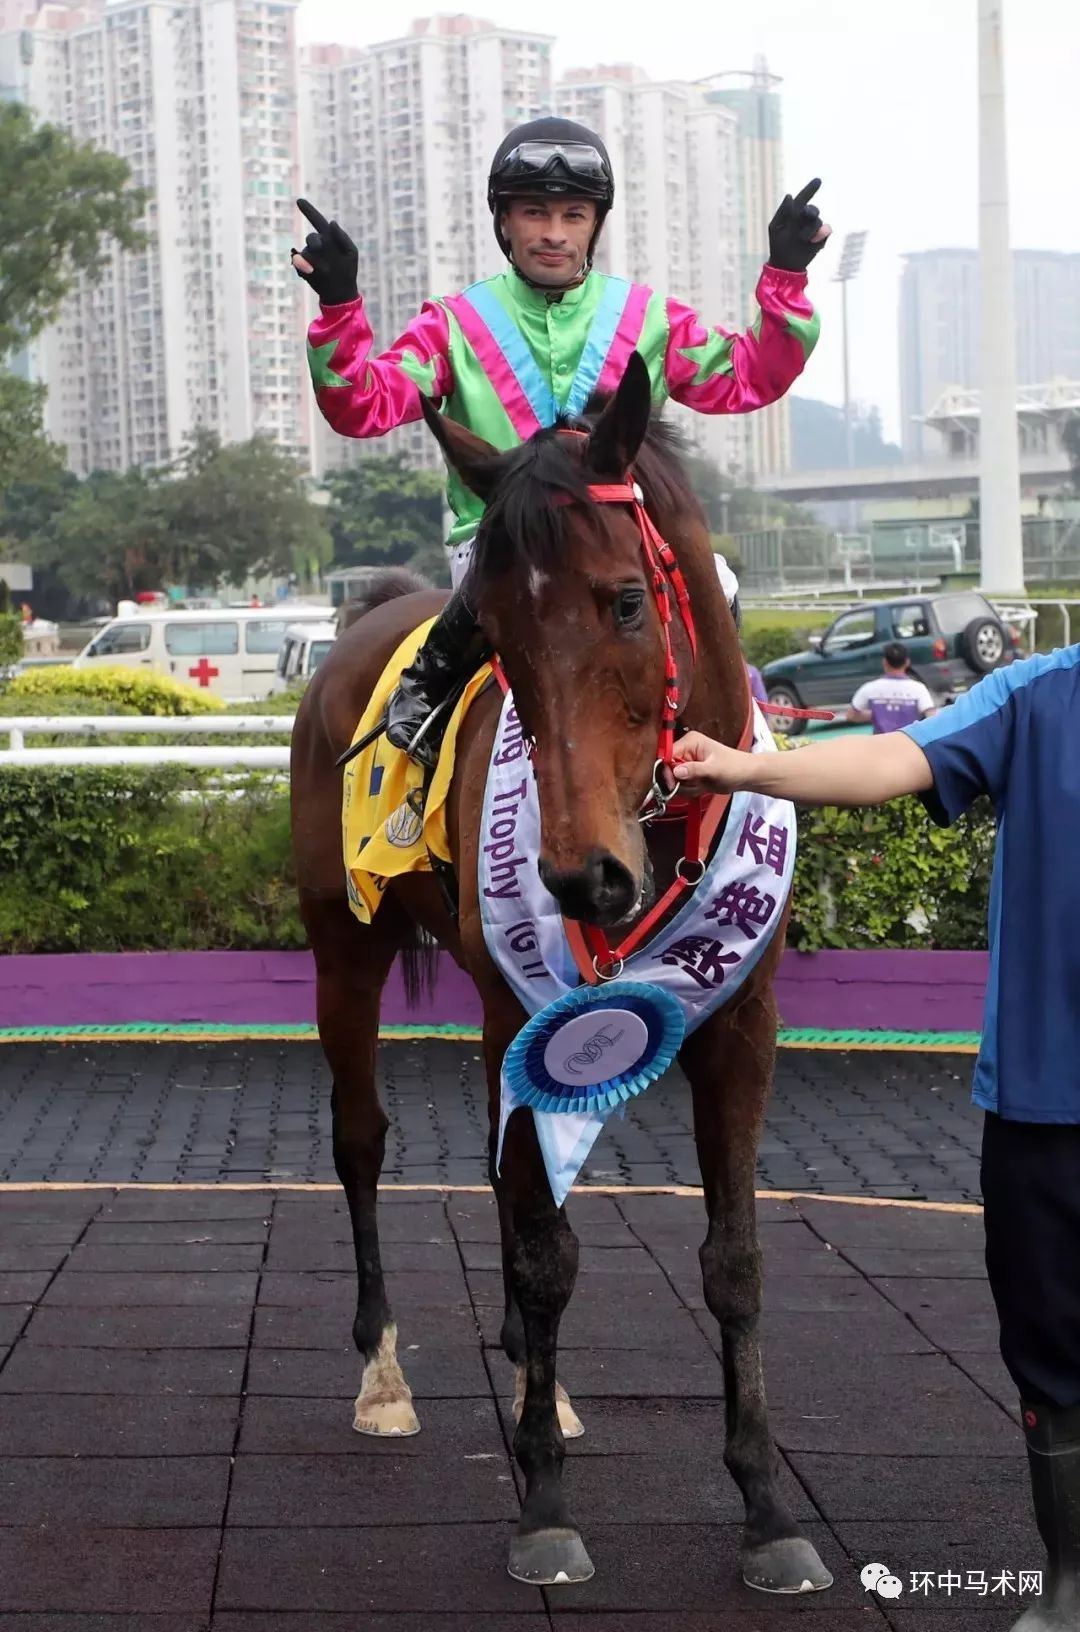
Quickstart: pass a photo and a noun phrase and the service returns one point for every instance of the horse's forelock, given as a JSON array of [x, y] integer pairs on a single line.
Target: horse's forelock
[[528, 508], [525, 523]]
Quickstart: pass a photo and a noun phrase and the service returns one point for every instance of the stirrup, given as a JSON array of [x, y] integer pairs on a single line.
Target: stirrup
[[438, 716]]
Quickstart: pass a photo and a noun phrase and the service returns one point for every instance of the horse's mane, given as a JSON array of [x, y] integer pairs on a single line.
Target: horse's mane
[[529, 503]]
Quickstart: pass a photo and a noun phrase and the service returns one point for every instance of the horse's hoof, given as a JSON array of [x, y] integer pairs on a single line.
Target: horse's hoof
[[569, 1421], [550, 1558], [389, 1419], [787, 1566]]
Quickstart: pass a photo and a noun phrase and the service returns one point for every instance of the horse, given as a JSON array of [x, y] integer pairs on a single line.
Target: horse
[[565, 597]]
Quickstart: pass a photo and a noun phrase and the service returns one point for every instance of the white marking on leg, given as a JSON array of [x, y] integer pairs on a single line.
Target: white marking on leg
[[384, 1404], [569, 1421]]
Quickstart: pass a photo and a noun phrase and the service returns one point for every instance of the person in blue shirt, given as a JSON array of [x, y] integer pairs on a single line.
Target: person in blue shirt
[[1012, 740]]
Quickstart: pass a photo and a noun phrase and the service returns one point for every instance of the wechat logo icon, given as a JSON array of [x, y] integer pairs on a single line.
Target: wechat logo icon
[[880, 1579]]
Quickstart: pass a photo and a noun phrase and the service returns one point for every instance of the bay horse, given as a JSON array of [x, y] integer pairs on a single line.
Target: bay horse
[[564, 595]]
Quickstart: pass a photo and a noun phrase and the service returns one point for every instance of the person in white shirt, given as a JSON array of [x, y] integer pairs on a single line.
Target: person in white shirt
[[896, 699]]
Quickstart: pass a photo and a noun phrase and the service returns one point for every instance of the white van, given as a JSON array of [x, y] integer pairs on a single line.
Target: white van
[[229, 651], [304, 647]]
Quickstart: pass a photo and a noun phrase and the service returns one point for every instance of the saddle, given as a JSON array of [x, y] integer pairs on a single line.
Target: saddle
[[393, 812]]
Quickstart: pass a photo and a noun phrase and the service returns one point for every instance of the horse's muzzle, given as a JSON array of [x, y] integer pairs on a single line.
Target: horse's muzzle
[[602, 891]]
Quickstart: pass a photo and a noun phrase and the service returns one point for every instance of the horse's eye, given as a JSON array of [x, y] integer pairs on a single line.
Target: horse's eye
[[628, 606]]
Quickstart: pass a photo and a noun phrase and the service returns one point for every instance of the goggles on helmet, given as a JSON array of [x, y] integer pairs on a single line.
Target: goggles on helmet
[[563, 166]]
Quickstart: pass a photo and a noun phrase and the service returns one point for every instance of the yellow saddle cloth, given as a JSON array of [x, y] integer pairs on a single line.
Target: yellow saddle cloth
[[381, 833]]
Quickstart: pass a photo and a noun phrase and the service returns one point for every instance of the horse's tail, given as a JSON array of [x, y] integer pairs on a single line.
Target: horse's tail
[[384, 584], [419, 966]]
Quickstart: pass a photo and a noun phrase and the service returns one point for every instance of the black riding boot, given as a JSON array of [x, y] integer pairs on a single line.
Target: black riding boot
[[1053, 1445], [453, 651]]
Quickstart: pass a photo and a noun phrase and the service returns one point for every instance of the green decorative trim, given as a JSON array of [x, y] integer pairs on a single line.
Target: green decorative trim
[[931, 1042], [190, 1031]]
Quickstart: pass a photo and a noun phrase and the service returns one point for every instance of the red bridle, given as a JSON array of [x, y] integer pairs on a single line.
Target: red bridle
[[597, 959]]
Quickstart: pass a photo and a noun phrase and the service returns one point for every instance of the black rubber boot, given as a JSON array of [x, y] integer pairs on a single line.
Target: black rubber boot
[[417, 714], [1053, 1446]]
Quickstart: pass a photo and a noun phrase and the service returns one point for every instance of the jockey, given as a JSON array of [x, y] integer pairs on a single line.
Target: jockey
[[512, 353]]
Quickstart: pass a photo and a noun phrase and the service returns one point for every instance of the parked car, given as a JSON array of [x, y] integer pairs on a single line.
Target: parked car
[[952, 640]]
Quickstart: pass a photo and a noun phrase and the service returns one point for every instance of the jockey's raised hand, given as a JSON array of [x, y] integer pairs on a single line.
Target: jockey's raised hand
[[796, 231], [328, 260]]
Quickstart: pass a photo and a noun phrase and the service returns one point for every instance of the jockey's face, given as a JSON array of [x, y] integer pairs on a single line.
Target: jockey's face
[[549, 237]]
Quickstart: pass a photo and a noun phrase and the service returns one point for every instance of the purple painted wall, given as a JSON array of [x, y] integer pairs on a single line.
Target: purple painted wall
[[889, 991]]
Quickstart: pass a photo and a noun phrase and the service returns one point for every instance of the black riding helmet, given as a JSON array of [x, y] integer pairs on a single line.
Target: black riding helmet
[[551, 156]]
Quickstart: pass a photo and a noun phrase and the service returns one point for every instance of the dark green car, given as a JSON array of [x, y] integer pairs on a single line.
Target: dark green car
[[952, 640]]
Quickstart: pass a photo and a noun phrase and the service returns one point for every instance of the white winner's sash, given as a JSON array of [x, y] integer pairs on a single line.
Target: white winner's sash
[[700, 958]]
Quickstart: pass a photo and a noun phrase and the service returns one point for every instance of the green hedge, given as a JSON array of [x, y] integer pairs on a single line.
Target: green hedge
[[111, 860], [116, 690], [108, 860], [888, 877], [763, 645]]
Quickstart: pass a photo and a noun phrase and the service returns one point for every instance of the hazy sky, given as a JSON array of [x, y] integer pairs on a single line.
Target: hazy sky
[[879, 100]]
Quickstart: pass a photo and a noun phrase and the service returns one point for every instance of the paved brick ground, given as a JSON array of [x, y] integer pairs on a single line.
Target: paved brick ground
[[175, 1381], [879, 1124]]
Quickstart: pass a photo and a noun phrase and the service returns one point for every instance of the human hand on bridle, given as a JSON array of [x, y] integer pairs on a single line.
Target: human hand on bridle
[[703, 766], [328, 260], [796, 231]]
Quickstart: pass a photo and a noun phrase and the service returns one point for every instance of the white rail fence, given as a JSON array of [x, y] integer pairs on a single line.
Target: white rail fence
[[237, 757], [222, 756]]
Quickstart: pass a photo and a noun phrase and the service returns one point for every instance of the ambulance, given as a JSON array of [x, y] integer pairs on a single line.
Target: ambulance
[[231, 652]]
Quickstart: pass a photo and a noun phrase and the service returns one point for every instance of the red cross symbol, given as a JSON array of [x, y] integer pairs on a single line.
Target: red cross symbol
[[204, 672]]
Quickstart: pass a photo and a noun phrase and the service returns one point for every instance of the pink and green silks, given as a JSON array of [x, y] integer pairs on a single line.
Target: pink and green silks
[[505, 360]]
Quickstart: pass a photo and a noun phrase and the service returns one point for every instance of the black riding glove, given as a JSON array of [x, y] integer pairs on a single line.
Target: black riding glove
[[792, 230], [332, 256]]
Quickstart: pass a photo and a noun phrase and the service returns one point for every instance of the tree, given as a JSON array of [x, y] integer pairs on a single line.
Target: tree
[[238, 510], [26, 454], [383, 513], [28, 508], [64, 202], [108, 539], [218, 516]]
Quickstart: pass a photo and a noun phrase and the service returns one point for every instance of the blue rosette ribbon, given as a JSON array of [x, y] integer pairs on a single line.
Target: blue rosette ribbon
[[637, 1043]]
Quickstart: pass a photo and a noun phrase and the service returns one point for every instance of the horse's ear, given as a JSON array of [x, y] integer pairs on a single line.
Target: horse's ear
[[619, 432], [476, 461]]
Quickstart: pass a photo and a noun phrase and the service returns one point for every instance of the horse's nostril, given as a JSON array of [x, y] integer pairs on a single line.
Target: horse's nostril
[[601, 891], [617, 883]]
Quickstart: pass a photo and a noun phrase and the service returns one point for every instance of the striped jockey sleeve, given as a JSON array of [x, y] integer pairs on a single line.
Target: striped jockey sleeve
[[364, 395], [719, 372]]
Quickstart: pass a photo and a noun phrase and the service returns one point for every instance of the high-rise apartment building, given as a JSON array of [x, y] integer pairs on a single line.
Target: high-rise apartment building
[[398, 140], [940, 335], [224, 122], [675, 225], [204, 326], [753, 98]]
